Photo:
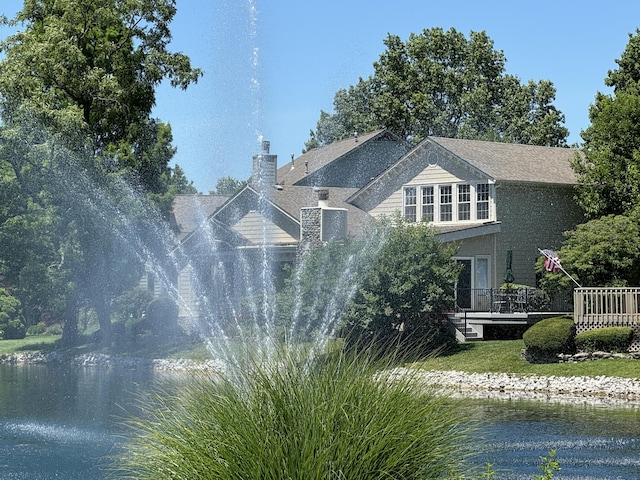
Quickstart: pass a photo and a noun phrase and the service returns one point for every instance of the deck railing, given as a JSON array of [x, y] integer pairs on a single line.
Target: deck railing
[[597, 307], [512, 300]]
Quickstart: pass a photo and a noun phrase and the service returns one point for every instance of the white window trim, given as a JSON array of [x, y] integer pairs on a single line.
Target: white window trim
[[454, 205]]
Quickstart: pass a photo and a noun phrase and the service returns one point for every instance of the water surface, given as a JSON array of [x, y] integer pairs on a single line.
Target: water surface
[[64, 422]]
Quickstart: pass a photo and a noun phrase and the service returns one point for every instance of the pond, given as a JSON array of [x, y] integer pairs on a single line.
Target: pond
[[64, 422]]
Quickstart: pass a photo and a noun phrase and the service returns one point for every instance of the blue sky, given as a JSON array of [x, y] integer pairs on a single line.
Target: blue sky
[[272, 65]]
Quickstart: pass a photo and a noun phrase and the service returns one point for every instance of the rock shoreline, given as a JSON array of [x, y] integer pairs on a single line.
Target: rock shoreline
[[597, 391], [104, 360]]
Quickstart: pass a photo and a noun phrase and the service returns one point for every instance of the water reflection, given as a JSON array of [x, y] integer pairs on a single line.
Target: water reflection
[[591, 443], [60, 422]]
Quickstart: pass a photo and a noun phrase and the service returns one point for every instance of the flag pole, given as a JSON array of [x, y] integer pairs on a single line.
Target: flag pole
[[557, 264]]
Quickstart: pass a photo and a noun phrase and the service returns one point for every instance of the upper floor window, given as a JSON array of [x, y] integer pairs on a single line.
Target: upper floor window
[[446, 203], [428, 203], [410, 203], [482, 201], [462, 202]]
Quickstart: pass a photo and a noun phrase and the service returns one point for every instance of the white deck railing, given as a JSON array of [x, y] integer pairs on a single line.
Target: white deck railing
[[597, 307]]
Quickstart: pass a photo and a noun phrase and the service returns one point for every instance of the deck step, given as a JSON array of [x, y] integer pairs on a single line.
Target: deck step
[[468, 333]]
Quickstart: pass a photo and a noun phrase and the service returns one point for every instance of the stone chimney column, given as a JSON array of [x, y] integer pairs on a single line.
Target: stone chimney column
[[264, 168]]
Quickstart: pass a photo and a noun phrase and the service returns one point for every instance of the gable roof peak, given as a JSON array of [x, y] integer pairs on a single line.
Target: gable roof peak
[[317, 158], [513, 162]]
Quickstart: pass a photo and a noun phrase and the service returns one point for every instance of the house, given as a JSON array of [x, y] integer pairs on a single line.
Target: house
[[498, 202]]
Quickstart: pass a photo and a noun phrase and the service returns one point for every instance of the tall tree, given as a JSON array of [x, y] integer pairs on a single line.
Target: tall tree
[[403, 294], [609, 170], [228, 185], [77, 87], [441, 83]]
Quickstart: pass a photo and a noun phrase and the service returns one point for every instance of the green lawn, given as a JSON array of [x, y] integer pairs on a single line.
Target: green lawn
[[504, 356], [32, 343]]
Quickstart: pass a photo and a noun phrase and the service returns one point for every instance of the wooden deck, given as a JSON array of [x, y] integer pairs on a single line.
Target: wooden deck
[[593, 307], [478, 308]]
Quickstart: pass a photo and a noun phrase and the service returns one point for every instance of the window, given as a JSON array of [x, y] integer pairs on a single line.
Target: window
[[410, 203], [428, 203], [464, 202], [461, 202], [482, 201], [446, 203]]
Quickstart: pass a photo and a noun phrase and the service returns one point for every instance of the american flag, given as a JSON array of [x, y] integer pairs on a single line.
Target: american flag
[[551, 261]]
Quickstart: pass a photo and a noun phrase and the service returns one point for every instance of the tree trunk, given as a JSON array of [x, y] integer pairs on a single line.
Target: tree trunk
[[70, 330], [104, 319]]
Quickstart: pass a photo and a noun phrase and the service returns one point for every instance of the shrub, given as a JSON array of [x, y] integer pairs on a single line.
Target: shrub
[[37, 329], [11, 322], [331, 417], [550, 337], [406, 288], [132, 304], [162, 316], [13, 329], [607, 339]]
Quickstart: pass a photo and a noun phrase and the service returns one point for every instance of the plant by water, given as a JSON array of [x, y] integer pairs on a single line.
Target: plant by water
[[334, 416]]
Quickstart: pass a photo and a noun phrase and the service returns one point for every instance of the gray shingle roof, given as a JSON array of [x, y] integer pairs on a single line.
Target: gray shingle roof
[[189, 211], [317, 158], [514, 162]]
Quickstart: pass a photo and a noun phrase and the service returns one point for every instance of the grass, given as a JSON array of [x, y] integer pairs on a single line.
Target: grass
[[504, 356], [32, 343]]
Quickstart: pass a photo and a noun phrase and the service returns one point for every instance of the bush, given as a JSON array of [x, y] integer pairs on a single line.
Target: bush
[[132, 304], [607, 339], [550, 337], [37, 329], [11, 322], [405, 289], [162, 316]]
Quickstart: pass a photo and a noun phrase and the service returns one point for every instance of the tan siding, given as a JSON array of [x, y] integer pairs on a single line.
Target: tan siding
[[433, 175], [389, 206], [257, 229], [188, 307]]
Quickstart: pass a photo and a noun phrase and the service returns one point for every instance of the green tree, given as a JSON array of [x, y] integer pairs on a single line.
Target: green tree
[[228, 185], [321, 287], [405, 290], [77, 88], [11, 322], [601, 252], [609, 169], [441, 83]]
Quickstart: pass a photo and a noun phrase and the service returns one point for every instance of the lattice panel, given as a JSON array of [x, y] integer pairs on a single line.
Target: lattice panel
[[608, 307]]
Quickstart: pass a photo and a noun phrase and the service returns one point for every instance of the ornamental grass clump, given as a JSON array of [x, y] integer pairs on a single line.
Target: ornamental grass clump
[[333, 417]]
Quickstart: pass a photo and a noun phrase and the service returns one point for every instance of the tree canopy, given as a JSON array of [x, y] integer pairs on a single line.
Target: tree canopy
[[605, 251], [444, 84], [609, 171], [80, 151], [601, 252]]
